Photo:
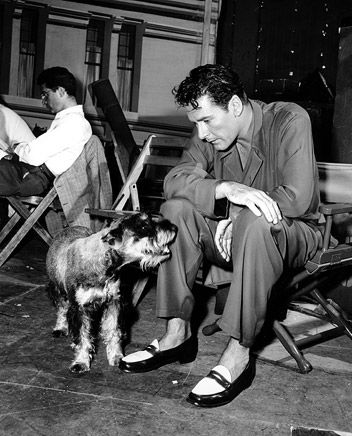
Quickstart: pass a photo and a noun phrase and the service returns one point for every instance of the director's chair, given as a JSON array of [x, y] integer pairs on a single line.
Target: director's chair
[[329, 267]]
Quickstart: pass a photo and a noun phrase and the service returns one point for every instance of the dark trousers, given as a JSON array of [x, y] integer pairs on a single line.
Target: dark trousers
[[260, 252], [19, 178]]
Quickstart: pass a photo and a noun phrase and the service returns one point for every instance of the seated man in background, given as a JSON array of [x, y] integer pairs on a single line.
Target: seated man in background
[[13, 129], [259, 160], [32, 164]]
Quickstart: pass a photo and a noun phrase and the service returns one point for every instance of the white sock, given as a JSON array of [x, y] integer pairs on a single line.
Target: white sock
[[208, 386], [141, 355]]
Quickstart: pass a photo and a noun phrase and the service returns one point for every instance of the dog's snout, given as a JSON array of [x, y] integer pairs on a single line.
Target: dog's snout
[[166, 251]]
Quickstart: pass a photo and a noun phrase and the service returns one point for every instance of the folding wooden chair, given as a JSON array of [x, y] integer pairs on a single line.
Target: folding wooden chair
[[29, 209], [88, 173], [143, 188], [329, 266]]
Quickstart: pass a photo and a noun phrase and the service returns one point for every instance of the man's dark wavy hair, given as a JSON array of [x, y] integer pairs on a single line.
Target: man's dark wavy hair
[[217, 81], [58, 76]]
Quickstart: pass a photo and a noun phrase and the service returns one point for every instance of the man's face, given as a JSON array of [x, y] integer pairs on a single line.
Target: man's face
[[52, 99], [215, 124]]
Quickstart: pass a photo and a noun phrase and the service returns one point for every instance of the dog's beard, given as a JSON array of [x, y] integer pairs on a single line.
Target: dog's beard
[[147, 252], [152, 261]]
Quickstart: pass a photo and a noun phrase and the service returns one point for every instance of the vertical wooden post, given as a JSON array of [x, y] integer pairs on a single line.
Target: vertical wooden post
[[342, 122], [206, 32], [137, 65], [108, 26], [43, 14], [6, 21]]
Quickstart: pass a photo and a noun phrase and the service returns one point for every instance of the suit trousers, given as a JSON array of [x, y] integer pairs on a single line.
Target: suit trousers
[[261, 251], [19, 178]]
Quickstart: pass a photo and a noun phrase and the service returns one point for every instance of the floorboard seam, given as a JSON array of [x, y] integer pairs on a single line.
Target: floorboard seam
[[67, 391], [22, 294]]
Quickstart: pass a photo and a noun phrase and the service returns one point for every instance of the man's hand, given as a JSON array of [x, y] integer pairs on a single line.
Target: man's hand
[[5, 150], [4, 146], [14, 146], [256, 200], [223, 238]]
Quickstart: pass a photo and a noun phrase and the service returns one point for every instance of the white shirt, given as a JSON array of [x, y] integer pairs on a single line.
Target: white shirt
[[13, 129], [61, 144]]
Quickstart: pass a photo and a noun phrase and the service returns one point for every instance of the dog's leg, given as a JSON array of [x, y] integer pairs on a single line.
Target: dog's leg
[[56, 295], [61, 326], [80, 328], [111, 332]]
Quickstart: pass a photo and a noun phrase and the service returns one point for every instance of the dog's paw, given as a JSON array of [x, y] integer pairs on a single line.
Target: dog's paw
[[114, 353], [114, 360], [79, 368], [59, 333]]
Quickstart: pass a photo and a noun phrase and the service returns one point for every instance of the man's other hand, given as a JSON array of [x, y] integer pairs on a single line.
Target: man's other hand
[[223, 238]]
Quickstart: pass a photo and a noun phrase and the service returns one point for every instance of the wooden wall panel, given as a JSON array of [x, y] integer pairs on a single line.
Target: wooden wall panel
[[342, 124]]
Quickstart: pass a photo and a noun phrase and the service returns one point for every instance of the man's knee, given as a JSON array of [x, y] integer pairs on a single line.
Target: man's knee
[[248, 223], [177, 209], [34, 184]]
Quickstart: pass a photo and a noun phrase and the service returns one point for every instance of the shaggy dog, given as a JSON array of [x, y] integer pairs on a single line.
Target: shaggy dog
[[84, 270]]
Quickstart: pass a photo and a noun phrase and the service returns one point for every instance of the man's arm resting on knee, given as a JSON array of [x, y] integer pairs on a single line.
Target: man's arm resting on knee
[[256, 200]]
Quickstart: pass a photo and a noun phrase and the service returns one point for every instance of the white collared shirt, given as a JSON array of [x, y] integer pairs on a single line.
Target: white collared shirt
[[13, 129], [61, 144]]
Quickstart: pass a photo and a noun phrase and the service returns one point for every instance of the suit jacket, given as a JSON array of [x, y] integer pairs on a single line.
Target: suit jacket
[[281, 163], [86, 184]]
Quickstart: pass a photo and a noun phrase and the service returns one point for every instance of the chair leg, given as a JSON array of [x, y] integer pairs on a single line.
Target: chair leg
[[138, 289], [284, 337], [336, 316], [211, 329], [30, 222], [15, 240], [9, 226], [291, 347], [31, 218]]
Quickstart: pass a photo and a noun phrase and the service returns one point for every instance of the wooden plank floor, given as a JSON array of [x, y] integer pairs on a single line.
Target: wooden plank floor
[[39, 396]]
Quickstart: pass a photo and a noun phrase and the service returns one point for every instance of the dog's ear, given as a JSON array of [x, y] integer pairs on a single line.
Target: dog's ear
[[114, 233]]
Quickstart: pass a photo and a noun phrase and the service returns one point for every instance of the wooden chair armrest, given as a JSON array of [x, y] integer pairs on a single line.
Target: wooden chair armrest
[[109, 213], [335, 208], [328, 256]]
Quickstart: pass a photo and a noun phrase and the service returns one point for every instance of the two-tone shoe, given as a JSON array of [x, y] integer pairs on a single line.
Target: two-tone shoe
[[230, 389], [152, 358]]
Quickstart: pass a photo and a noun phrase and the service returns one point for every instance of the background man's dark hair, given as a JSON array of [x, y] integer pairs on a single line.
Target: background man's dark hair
[[217, 81], [58, 76]]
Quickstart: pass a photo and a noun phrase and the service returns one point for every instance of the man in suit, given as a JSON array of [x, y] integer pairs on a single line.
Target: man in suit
[[31, 165], [245, 197]]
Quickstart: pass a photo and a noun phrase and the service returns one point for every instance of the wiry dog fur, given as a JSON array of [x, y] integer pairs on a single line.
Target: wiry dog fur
[[84, 273]]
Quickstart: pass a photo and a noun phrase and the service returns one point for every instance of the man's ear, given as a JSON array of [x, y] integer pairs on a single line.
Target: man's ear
[[61, 91], [236, 105]]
